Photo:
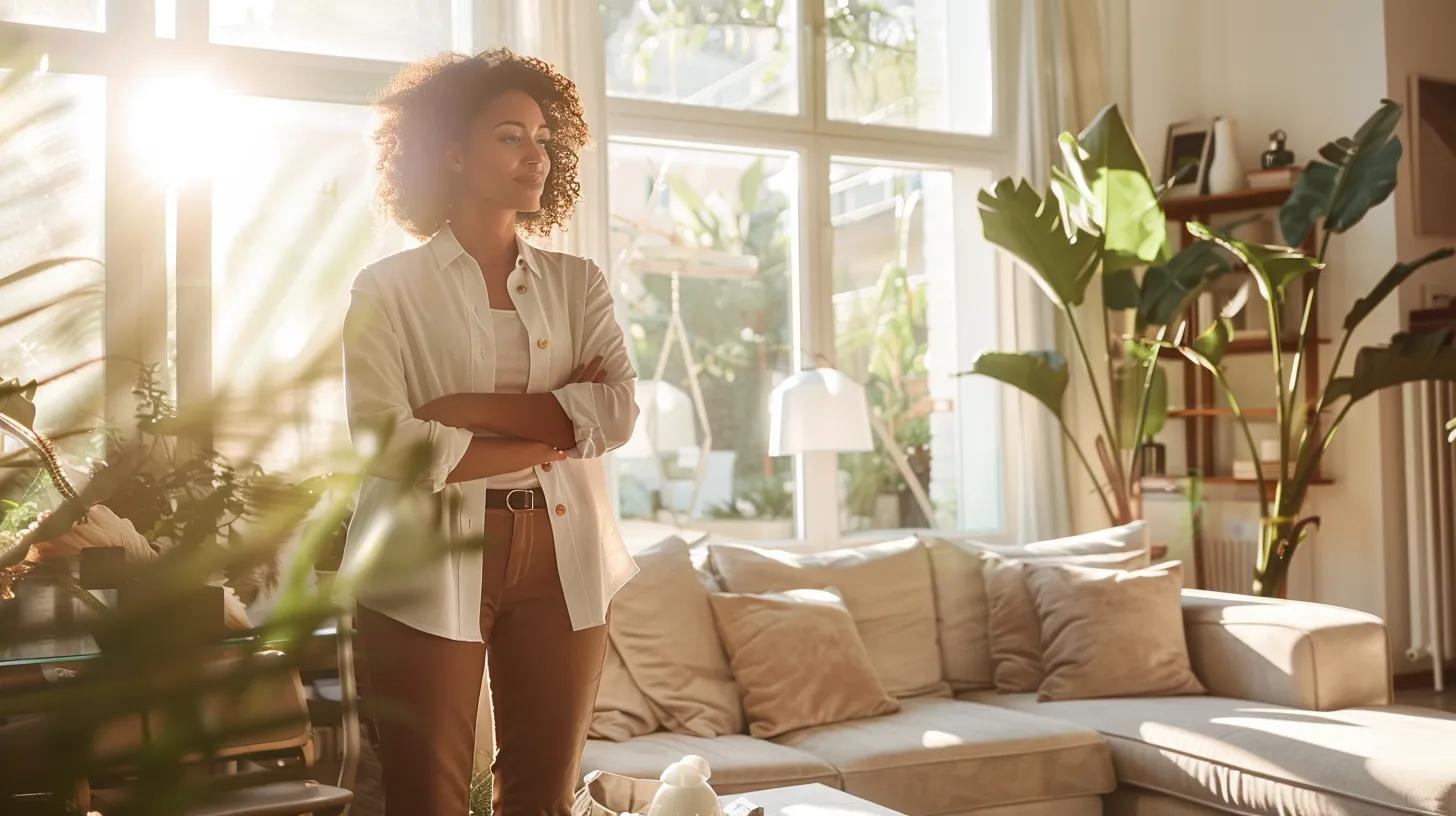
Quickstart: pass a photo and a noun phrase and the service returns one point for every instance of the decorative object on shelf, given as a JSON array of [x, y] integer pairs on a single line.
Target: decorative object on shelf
[[1225, 174], [1153, 456], [1186, 158], [1433, 173], [1277, 155], [1107, 224]]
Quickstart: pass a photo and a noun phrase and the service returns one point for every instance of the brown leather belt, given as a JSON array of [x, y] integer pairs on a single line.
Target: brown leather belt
[[519, 499]]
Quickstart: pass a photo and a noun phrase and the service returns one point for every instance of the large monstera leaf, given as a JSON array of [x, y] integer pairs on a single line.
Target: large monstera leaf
[[1359, 173], [1104, 188], [1060, 256], [1408, 358], [1041, 375], [1274, 267]]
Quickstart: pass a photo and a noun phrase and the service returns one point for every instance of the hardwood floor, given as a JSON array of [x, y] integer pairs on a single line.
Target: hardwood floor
[[1445, 701]]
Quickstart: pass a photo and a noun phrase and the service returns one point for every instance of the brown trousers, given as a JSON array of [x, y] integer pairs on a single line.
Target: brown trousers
[[423, 691]]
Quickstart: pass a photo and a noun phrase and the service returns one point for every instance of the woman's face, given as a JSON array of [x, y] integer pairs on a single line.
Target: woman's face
[[504, 162]]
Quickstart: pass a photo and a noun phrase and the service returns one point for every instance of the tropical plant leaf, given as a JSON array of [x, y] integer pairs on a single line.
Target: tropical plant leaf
[[17, 401], [1120, 290], [1019, 221], [1110, 179], [1408, 358], [1128, 377], [1360, 175], [1274, 267], [1387, 284], [1168, 288], [1212, 343], [1041, 375]]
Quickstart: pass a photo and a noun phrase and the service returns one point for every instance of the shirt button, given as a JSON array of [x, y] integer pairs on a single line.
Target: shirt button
[[545, 465], [560, 509], [521, 288], [542, 343]]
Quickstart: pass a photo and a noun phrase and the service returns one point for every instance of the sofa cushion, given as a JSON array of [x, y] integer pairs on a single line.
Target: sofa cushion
[[1013, 628], [621, 711], [1111, 633], [663, 627], [960, 595], [798, 660], [886, 587], [939, 756], [1258, 758], [739, 762]]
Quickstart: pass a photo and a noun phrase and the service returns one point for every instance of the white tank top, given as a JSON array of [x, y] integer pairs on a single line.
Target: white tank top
[[512, 365]]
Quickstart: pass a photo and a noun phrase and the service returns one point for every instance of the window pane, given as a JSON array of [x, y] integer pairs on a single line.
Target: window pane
[[292, 225], [737, 54], [905, 321], [89, 15], [910, 63], [52, 161], [395, 30], [710, 232]]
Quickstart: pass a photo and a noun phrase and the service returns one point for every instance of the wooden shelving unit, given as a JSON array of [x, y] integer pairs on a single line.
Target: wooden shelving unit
[[1199, 412]]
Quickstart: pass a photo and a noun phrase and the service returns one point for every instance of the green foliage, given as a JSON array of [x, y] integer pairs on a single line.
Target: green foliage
[[1060, 255], [1042, 375], [1360, 174]]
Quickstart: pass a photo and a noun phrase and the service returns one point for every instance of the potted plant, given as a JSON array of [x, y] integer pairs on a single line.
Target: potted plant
[[1101, 220]]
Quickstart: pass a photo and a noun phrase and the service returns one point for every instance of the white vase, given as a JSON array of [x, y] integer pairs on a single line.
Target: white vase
[[1225, 175]]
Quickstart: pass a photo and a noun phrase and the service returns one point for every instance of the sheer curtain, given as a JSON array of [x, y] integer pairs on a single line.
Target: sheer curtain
[[1060, 87]]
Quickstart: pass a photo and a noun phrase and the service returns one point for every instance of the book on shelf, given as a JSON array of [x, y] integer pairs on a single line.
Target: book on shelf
[[1273, 177]]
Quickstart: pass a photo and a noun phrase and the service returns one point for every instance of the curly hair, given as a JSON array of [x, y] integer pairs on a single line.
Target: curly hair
[[430, 103]]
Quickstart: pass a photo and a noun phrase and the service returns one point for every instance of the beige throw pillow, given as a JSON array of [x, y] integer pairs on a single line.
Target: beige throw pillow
[[798, 660], [961, 607], [886, 587], [663, 627], [1013, 630], [1108, 633], [621, 711]]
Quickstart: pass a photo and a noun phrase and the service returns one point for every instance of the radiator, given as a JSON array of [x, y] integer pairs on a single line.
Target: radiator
[[1430, 481], [1228, 564]]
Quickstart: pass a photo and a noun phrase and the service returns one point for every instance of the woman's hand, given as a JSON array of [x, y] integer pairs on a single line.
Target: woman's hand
[[590, 371], [547, 453]]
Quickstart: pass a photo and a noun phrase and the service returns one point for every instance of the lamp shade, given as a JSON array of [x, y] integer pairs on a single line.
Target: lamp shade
[[676, 427], [818, 409]]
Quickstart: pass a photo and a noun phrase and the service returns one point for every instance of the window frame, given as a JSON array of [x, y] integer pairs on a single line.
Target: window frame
[[136, 306], [819, 141]]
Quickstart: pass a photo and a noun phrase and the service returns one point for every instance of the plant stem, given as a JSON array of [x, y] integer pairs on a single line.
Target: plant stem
[[1228, 391], [1279, 406], [1091, 474], [1117, 478], [1144, 402]]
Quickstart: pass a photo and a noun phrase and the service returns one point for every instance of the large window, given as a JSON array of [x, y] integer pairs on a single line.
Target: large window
[[791, 183], [809, 170]]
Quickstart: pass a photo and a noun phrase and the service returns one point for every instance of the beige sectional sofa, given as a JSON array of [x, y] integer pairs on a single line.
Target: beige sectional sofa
[[1297, 720]]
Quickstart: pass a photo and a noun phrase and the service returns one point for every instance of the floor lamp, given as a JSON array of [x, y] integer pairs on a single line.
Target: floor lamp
[[819, 409]]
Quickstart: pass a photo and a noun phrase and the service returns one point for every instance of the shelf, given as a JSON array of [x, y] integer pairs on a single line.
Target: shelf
[[1168, 481], [1245, 345], [1193, 208], [1249, 413]]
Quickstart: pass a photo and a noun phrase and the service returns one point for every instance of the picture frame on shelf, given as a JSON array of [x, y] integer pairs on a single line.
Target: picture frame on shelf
[[1433, 126], [1189, 143]]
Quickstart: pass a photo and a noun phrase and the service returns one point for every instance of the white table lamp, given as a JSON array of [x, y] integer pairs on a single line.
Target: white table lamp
[[818, 409]]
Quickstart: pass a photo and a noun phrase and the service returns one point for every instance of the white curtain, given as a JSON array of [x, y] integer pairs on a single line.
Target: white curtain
[[1060, 87], [567, 34]]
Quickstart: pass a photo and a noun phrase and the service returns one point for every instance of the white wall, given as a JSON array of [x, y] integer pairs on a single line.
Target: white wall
[[1316, 72]]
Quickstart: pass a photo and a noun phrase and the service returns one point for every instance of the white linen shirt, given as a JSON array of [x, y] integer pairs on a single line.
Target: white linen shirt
[[418, 328]]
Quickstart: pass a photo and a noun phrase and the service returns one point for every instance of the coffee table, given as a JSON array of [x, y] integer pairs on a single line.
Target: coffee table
[[810, 800]]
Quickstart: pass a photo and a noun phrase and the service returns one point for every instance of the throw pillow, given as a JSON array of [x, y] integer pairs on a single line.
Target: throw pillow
[[621, 711], [798, 659], [1013, 630], [663, 627], [960, 598], [1108, 633], [886, 587]]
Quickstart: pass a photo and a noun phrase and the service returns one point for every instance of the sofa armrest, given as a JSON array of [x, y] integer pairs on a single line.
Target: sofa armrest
[[1293, 653]]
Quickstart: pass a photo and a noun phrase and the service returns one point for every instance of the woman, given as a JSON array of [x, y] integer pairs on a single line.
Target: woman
[[490, 376]]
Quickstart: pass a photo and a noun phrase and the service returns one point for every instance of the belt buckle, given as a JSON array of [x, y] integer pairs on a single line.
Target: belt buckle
[[530, 493]]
